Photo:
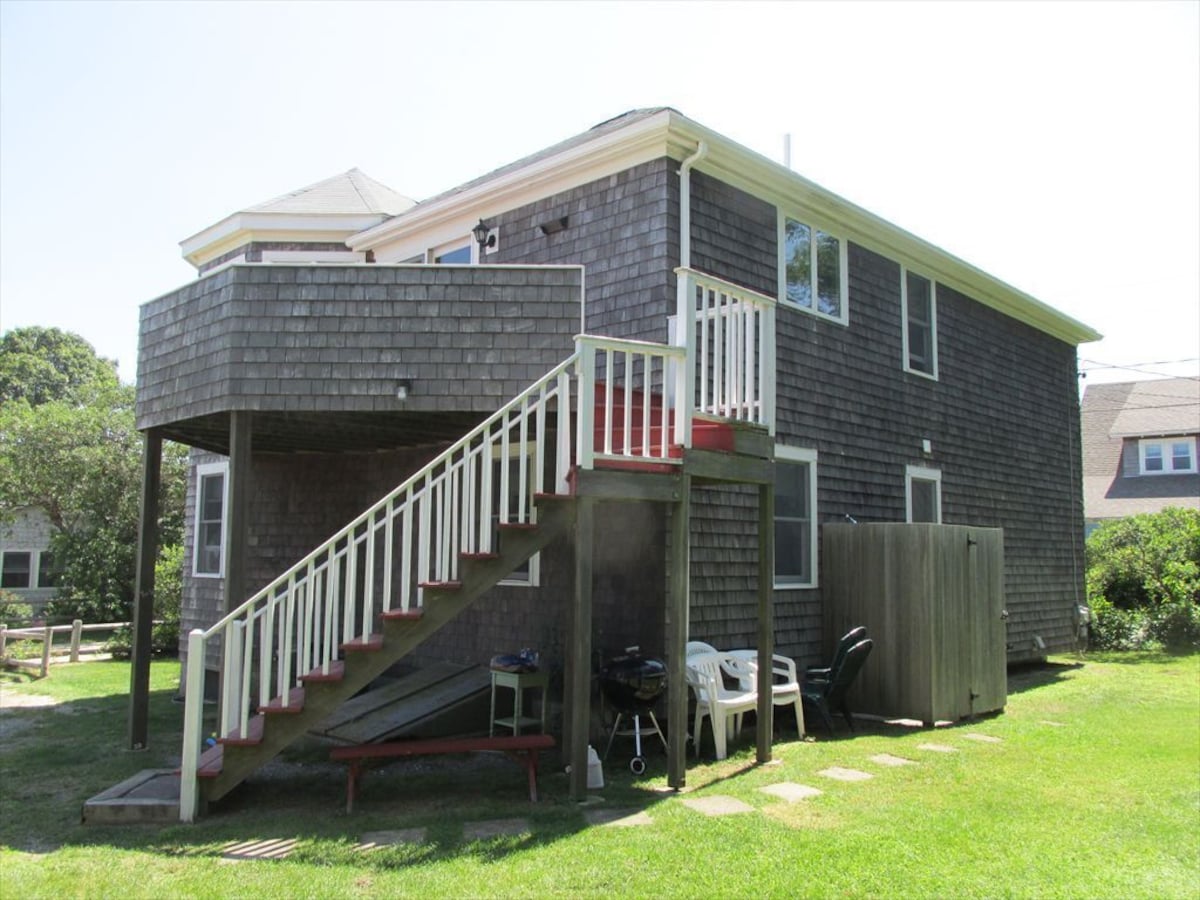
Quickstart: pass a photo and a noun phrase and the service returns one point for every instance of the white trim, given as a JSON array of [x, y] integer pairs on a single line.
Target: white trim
[[783, 215], [312, 256], [922, 473], [244, 227], [933, 339], [204, 471], [1167, 448], [450, 246], [786, 454]]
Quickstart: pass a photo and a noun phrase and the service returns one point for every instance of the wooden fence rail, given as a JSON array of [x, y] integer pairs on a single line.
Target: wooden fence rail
[[46, 635]]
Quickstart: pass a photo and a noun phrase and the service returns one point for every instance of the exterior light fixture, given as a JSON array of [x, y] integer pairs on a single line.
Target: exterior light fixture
[[484, 237], [402, 388]]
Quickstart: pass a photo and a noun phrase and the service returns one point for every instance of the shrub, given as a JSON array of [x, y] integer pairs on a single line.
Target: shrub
[[168, 597], [1176, 626], [13, 612], [1114, 628]]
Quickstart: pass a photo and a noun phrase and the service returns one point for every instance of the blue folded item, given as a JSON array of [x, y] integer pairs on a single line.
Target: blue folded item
[[525, 661]]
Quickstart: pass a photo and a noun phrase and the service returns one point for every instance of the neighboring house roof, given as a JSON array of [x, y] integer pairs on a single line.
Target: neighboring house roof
[[1116, 414], [645, 134], [329, 210]]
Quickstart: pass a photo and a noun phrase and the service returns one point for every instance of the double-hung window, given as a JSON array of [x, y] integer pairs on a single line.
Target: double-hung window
[[923, 494], [795, 517], [208, 558], [16, 569], [918, 305], [1167, 456], [814, 270]]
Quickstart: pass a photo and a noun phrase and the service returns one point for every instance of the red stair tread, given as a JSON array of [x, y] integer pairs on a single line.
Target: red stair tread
[[254, 734], [403, 614], [337, 670], [295, 703], [374, 642], [441, 585], [210, 763]]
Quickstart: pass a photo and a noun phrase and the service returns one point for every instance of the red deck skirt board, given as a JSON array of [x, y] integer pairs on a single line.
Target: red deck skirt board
[[523, 748]]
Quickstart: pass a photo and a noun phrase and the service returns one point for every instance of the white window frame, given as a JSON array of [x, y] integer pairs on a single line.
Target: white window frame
[[208, 470], [33, 567], [467, 241], [922, 473], [534, 578], [1166, 446], [787, 454], [814, 226], [904, 323]]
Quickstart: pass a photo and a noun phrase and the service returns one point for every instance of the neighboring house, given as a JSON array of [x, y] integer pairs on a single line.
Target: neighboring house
[[1140, 446], [838, 367], [27, 563]]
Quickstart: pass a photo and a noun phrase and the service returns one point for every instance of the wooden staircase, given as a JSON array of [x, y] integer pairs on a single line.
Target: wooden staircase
[[275, 725]]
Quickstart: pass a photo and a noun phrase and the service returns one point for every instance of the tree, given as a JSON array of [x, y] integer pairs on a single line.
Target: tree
[[44, 364], [70, 446]]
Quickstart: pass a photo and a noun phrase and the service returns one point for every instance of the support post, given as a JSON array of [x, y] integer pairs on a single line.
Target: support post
[[76, 636], [580, 658], [677, 634], [240, 439], [143, 592], [766, 618]]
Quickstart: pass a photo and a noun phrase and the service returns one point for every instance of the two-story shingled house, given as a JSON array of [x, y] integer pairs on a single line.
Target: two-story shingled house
[[698, 357]]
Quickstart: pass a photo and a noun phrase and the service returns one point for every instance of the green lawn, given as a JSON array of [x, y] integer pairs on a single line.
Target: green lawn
[[1092, 790]]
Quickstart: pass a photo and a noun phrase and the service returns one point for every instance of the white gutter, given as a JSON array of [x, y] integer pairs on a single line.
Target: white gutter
[[685, 204]]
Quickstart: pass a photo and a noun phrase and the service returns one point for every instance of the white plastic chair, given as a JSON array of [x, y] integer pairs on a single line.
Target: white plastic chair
[[785, 686], [714, 700]]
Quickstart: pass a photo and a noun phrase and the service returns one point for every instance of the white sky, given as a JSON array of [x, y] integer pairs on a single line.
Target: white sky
[[1055, 146]]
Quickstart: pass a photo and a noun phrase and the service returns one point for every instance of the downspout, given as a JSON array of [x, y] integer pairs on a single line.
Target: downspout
[[685, 204]]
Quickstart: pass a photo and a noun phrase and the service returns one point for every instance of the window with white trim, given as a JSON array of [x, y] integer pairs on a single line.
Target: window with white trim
[[795, 517], [16, 569], [814, 272], [212, 496], [1167, 456], [528, 574], [918, 311], [922, 494], [47, 573]]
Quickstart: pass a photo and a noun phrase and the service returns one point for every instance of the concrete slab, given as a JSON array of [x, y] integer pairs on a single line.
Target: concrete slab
[[984, 738], [790, 791], [150, 796], [482, 831], [617, 818], [886, 759], [937, 748], [375, 840], [838, 773], [718, 805]]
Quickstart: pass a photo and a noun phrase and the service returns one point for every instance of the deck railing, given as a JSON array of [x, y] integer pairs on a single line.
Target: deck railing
[[628, 404]]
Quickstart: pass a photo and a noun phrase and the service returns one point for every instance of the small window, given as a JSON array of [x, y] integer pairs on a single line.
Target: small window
[[923, 494], [918, 303], [795, 517], [47, 576], [209, 557], [814, 270], [528, 573], [1167, 456], [16, 569], [453, 255]]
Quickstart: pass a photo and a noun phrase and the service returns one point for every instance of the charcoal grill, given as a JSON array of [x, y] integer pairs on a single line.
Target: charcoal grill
[[631, 685]]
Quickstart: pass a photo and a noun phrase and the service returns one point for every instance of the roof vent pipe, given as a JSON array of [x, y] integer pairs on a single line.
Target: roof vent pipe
[[685, 204]]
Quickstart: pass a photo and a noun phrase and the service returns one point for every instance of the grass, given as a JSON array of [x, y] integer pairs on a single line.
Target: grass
[[1093, 790]]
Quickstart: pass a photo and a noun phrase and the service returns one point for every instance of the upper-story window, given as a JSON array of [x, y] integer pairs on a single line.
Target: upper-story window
[[449, 255], [208, 556], [813, 269], [1167, 456], [918, 304]]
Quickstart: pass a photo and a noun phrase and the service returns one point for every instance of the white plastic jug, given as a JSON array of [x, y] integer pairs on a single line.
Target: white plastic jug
[[595, 773]]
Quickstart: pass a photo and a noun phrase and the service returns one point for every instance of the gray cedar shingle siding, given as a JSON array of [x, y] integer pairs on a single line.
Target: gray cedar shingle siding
[[1002, 419], [304, 338]]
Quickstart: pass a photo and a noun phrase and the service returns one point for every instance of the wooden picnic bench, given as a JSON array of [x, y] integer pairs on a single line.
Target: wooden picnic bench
[[522, 748]]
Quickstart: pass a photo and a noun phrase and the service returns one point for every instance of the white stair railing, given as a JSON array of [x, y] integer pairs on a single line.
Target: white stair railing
[[731, 348]]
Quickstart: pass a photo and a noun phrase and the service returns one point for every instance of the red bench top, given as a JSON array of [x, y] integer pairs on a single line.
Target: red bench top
[[443, 745]]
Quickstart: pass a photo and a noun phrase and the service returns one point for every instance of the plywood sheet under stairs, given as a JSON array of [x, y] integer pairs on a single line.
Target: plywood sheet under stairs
[[433, 701]]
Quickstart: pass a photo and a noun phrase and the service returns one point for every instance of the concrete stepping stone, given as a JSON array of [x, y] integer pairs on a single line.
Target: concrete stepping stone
[[617, 818], [376, 840], [272, 848], [718, 805], [886, 759], [790, 791], [838, 773], [1053, 724], [482, 831], [937, 748], [984, 738]]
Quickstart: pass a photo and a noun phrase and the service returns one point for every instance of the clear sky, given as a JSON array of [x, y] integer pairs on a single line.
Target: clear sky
[[1055, 146]]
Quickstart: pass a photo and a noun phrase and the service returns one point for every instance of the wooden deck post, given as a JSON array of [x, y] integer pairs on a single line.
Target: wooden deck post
[[766, 617], [240, 440], [579, 686], [677, 631], [143, 592]]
